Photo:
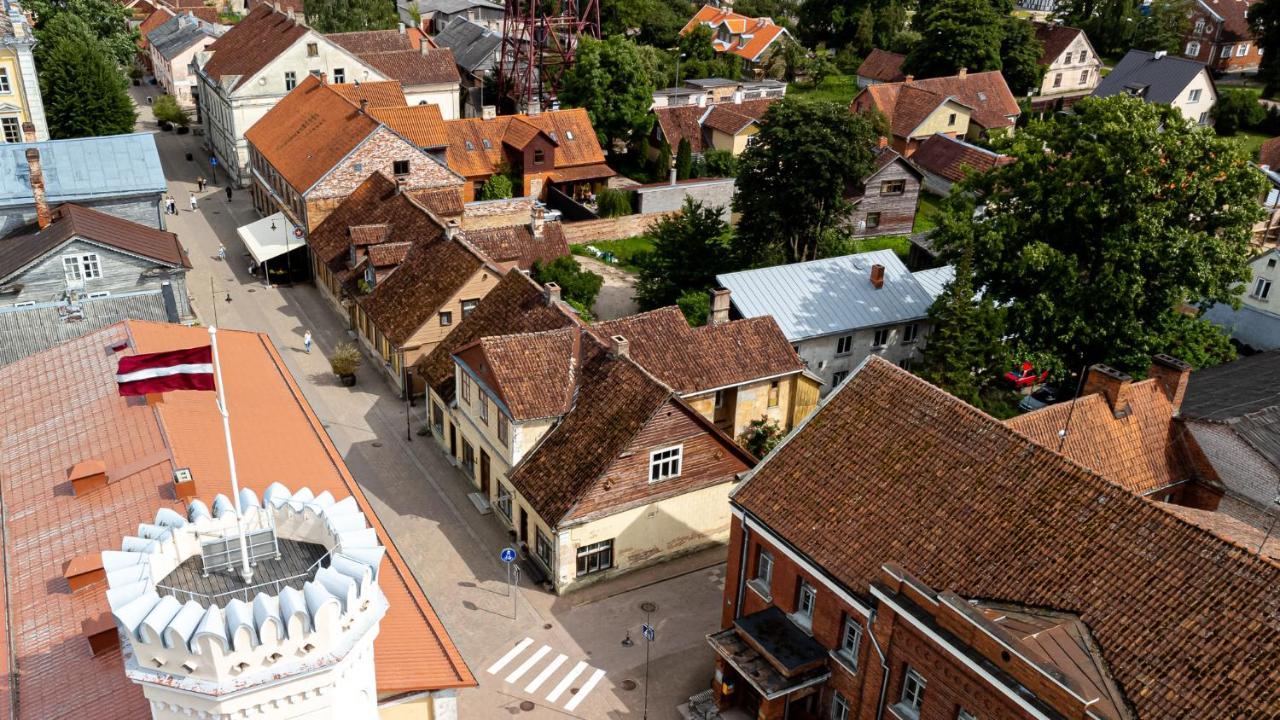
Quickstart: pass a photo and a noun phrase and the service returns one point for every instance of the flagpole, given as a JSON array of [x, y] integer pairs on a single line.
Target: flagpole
[[246, 572]]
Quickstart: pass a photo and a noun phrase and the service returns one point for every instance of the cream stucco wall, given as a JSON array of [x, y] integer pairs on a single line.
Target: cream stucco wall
[[1071, 72], [447, 96], [1199, 110], [736, 144], [939, 121], [1265, 267], [749, 402], [432, 332]]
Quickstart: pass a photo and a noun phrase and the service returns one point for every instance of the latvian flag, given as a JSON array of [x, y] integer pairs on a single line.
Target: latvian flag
[[189, 369]]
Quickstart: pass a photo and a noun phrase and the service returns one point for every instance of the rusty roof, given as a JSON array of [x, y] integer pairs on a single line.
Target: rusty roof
[[1269, 154], [158, 17], [278, 438], [516, 243], [680, 123], [363, 42], [434, 269], [533, 374], [245, 49], [985, 93], [71, 221], [892, 469], [422, 125], [883, 66], [952, 158]]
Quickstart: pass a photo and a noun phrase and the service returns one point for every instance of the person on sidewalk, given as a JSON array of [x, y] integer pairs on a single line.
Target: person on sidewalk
[[193, 202], [306, 341], [222, 252], [168, 204], [200, 184], [228, 193]]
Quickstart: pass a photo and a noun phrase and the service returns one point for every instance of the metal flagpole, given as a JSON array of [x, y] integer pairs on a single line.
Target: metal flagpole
[[246, 572]]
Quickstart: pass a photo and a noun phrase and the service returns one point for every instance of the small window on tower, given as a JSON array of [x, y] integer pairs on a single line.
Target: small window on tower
[[400, 167]]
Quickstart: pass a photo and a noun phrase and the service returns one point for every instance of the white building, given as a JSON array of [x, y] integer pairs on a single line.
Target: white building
[[1165, 79]]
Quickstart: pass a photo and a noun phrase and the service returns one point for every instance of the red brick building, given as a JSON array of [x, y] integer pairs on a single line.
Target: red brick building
[[903, 555], [1219, 36]]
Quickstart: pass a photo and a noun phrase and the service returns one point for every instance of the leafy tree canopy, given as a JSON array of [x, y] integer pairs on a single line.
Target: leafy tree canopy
[[1115, 26], [611, 80], [1236, 109], [497, 187], [105, 20], [332, 16], [578, 286], [862, 24], [689, 250], [652, 22], [1264, 21], [1110, 220], [84, 91], [978, 35]]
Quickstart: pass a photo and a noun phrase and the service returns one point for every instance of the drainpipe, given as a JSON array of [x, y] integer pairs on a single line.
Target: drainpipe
[[884, 664], [742, 569]]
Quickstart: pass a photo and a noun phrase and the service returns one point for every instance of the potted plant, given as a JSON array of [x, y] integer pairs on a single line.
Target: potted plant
[[344, 362], [135, 74]]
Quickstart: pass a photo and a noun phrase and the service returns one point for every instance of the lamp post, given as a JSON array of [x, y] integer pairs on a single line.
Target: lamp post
[[678, 58]]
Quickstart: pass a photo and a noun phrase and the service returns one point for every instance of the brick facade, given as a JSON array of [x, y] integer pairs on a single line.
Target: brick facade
[[1221, 40]]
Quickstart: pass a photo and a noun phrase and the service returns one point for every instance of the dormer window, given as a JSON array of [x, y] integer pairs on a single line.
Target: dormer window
[[469, 144], [568, 134], [539, 156], [487, 145], [369, 276]]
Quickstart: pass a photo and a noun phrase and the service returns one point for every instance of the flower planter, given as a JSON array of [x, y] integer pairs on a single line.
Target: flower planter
[[183, 129], [347, 380]]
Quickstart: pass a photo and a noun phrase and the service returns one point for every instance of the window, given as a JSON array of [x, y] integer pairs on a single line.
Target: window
[[12, 129], [844, 345], [773, 394], [1262, 288], [468, 458], [839, 707], [437, 417], [99, 294], [912, 693], [1204, 118], [313, 49], [542, 547], [665, 463], [881, 338], [468, 306], [502, 428], [1271, 262], [951, 120], [1193, 49], [850, 640], [963, 714], [838, 377], [719, 402], [568, 134], [504, 501], [1194, 96], [484, 408], [910, 333], [81, 267], [539, 156], [1199, 27], [763, 579], [873, 220], [1057, 80], [595, 557], [1226, 51], [1067, 60], [4, 81], [400, 167], [339, 76], [1242, 49], [446, 318], [1084, 76], [290, 80], [1084, 55], [893, 187], [806, 598], [465, 394]]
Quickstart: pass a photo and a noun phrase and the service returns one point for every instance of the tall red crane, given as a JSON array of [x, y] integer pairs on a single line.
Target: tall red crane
[[539, 40]]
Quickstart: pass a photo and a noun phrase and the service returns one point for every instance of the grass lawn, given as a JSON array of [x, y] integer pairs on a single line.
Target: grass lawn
[[624, 250], [926, 212], [899, 244], [833, 88], [1251, 141]]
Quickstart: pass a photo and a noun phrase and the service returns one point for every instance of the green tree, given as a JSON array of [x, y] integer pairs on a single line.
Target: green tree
[[1164, 26], [85, 93], [792, 178], [167, 109], [611, 80], [1236, 109], [689, 250], [956, 34], [718, 163], [613, 203], [760, 436], [577, 285], [1020, 53], [1110, 220], [662, 164], [652, 22], [1264, 22], [334, 16], [684, 160], [104, 20], [497, 187], [696, 305]]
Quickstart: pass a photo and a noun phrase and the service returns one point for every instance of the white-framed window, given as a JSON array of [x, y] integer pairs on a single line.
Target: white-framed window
[[1193, 49], [542, 547], [1194, 96], [595, 557], [881, 338], [965, 715], [503, 430], [504, 501], [464, 392], [1084, 76], [839, 707], [1242, 49], [290, 80], [844, 345], [1084, 55], [665, 463], [1199, 27], [1067, 61], [913, 684], [838, 377], [763, 579], [484, 408], [81, 267], [806, 599], [850, 641], [5, 87], [910, 333], [1262, 288], [1226, 51], [1057, 79], [1204, 118], [12, 129], [339, 76]]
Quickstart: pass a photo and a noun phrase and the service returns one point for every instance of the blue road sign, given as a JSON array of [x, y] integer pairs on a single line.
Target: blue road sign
[[508, 555], [213, 161], [647, 632]]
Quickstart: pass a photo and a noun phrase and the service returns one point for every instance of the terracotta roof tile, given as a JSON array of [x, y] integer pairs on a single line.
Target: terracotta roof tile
[[516, 243], [1269, 154], [475, 144], [362, 42], [1255, 540], [1235, 17], [373, 203], [951, 158], [985, 92], [727, 119], [534, 374], [445, 202], [388, 254], [1055, 39], [762, 31], [883, 66], [380, 93], [891, 469], [413, 68], [160, 16], [422, 125], [278, 438], [433, 270], [678, 123], [250, 44], [72, 221], [368, 234]]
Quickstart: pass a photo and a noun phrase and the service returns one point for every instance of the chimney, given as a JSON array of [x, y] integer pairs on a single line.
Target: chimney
[[908, 79], [877, 276], [402, 29], [719, 314], [170, 302], [537, 220], [1159, 55], [1114, 386], [290, 13], [1171, 374], [882, 142], [619, 346], [101, 633], [87, 476], [671, 177], [83, 571], [324, 77], [276, 6], [424, 47], [364, 106], [962, 72], [28, 132], [452, 228], [488, 112], [37, 187], [551, 293]]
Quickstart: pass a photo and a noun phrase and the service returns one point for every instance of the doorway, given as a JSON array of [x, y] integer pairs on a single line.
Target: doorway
[[453, 440], [524, 527], [484, 474]]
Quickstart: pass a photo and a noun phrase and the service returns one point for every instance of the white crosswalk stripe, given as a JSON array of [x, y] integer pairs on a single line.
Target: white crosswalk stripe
[[567, 681], [547, 668], [524, 666], [546, 673], [511, 655], [582, 691]]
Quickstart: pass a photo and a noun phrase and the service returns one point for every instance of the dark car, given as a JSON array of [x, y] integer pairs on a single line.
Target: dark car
[[1043, 396]]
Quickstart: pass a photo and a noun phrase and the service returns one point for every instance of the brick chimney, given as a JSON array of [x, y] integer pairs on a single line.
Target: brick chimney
[[908, 79], [877, 276], [1171, 374], [28, 132], [719, 312], [37, 187], [619, 346], [882, 142], [962, 72], [537, 220], [364, 106], [551, 293], [1113, 385], [424, 47]]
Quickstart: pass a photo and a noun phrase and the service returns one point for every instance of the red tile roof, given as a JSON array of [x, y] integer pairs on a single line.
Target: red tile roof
[[278, 438], [686, 121], [1269, 154], [378, 93], [160, 16], [1235, 17], [422, 125], [1055, 39], [986, 93], [533, 374], [413, 68], [952, 158], [432, 272], [362, 42], [475, 144], [892, 469], [74, 221], [883, 66], [251, 44], [759, 33], [516, 244]]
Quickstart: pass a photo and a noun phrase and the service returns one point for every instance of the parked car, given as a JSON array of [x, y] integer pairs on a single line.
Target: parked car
[[1025, 376], [1043, 396]]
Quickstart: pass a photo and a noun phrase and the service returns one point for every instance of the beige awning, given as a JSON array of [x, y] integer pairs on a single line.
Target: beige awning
[[270, 237]]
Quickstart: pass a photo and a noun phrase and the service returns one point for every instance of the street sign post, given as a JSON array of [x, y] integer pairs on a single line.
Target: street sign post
[[508, 556]]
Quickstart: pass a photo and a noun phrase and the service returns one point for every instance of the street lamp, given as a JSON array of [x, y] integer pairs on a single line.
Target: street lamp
[[678, 58]]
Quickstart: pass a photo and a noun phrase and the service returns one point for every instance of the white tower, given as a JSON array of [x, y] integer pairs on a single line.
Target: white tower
[[298, 643]]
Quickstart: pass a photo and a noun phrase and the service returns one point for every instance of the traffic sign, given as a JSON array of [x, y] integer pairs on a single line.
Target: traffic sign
[[508, 555], [647, 632], [213, 160]]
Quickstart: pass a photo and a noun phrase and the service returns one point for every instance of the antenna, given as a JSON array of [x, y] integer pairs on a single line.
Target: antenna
[[1062, 434]]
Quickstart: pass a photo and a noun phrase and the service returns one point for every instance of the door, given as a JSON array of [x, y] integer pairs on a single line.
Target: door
[[484, 473], [453, 440], [524, 526]]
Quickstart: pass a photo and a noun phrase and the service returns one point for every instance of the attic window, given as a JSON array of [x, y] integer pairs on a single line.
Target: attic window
[[469, 145], [487, 145], [983, 96], [553, 137], [539, 156], [400, 167], [568, 134], [313, 49]]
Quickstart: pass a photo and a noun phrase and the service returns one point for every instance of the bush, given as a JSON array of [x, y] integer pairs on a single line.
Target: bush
[[613, 203], [718, 164], [695, 305], [345, 359], [167, 110], [760, 436], [577, 286], [497, 187], [1236, 110]]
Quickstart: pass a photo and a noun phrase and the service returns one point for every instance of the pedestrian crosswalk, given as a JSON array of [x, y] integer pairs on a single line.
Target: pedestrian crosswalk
[[535, 668]]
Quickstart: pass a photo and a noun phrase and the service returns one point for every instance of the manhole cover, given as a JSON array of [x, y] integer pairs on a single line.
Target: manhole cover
[[573, 691], [547, 626], [648, 606], [251, 290], [628, 684], [526, 705], [377, 444]]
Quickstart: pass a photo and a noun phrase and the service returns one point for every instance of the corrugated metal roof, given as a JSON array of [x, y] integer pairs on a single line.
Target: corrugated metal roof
[[25, 331], [821, 297], [473, 45], [83, 169], [934, 280]]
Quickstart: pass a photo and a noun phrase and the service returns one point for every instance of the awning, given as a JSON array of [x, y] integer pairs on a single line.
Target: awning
[[264, 243], [771, 653]]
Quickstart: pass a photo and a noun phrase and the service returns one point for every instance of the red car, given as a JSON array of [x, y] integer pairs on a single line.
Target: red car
[[1025, 376]]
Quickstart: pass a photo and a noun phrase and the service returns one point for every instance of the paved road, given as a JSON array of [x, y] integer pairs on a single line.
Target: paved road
[[421, 500]]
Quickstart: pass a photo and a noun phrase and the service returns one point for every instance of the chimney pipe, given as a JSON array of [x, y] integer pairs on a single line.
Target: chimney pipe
[[364, 106], [1113, 385], [877, 276], [962, 72], [909, 78], [402, 29], [551, 293], [37, 187], [452, 228], [882, 142], [537, 220], [671, 177], [1171, 374], [424, 48], [620, 346], [719, 313], [28, 132]]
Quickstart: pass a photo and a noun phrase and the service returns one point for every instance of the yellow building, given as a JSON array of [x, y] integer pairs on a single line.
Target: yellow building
[[22, 116]]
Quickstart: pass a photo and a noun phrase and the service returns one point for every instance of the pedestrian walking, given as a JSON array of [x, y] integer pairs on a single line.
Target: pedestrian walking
[[193, 202], [200, 183], [222, 252], [168, 205], [228, 193], [306, 341]]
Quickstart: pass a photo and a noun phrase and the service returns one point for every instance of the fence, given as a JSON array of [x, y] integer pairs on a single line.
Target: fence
[[589, 231]]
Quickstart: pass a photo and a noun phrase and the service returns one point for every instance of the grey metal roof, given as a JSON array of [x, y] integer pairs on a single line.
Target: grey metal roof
[[834, 295], [83, 169], [473, 45], [934, 280], [1249, 326], [1160, 80], [181, 32], [451, 7], [1234, 389], [25, 331]]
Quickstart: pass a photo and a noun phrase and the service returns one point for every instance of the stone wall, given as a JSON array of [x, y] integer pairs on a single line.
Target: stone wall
[[714, 192], [589, 231]]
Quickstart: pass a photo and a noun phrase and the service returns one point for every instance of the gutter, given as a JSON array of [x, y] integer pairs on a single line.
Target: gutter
[[884, 664]]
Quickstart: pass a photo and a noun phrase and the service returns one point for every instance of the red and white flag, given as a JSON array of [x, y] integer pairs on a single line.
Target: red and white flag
[[188, 369]]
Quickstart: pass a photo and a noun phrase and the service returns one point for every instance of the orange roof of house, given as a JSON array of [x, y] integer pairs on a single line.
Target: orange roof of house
[[161, 16], [475, 144], [422, 125], [378, 93], [905, 104], [278, 438], [760, 32]]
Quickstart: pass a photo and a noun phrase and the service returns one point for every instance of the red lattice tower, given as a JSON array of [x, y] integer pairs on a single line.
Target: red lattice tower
[[539, 40]]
